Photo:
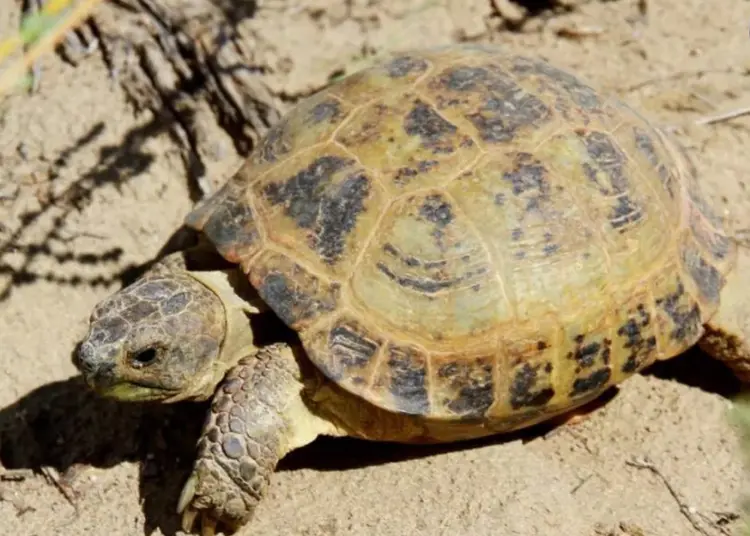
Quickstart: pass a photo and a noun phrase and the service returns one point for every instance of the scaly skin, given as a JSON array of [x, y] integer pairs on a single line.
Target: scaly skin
[[173, 335], [257, 416], [158, 339], [427, 227], [269, 401]]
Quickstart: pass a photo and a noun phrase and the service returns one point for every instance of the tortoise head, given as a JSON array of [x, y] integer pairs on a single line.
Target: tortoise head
[[169, 336]]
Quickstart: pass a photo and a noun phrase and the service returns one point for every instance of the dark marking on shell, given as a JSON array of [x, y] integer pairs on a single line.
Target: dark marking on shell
[[641, 349], [289, 300], [498, 122], [624, 212], [432, 128], [331, 213], [646, 146], [692, 186], [326, 111], [274, 144], [686, 318], [586, 355], [339, 215], [715, 243], [231, 225], [473, 385], [508, 108], [408, 380], [391, 250], [550, 249], [411, 261], [405, 65], [612, 163], [706, 277], [404, 174], [428, 286], [423, 166], [350, 346], [368, 132], [301, 195], [522, 393], [437, 210], [580, 93], [530, 181], [529, 175], [465, 78], [593, 382]]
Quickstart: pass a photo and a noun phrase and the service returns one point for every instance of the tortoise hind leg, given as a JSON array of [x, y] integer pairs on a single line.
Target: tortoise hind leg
[[257, 416], [727, 335]]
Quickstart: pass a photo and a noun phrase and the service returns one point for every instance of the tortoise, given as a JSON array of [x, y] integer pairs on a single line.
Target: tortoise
[[462, 241]]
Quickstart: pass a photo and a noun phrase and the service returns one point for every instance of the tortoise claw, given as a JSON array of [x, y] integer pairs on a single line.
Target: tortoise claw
[[207, 525], [188, 520], [187, 493], [185, 507]]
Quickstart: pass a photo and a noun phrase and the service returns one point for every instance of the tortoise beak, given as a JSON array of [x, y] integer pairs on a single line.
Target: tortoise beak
[[99, 369]]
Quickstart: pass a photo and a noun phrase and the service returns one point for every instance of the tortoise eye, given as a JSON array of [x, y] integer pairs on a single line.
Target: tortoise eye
[[144, 358]]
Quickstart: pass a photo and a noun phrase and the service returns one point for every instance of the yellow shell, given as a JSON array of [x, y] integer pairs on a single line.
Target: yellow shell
[[458, 233]]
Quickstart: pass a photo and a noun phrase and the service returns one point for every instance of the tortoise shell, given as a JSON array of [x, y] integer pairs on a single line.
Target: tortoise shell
[[458, 233]]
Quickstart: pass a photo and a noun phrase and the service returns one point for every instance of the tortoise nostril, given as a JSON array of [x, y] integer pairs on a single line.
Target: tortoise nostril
[[83, 358], [144, 358]]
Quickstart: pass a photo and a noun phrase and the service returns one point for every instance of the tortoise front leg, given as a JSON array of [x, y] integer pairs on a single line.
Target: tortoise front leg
[[257, 416]]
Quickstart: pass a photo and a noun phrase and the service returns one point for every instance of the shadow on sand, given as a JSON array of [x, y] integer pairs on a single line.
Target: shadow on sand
[[64, 425]]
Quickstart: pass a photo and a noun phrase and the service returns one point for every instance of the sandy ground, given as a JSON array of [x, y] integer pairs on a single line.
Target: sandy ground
[[91, 188]]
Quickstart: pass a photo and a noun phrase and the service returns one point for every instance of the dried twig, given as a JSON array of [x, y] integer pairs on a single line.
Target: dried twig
[[674, 76], [579, 33], [52, 476], [687, 511], [726, 116], [10, 76]]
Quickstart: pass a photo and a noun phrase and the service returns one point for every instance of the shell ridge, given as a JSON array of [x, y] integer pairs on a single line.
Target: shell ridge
[[406, 346], [580, 207], [498, 265]]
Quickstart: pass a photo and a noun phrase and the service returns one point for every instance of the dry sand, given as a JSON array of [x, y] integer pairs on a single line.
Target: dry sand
[[91, 187]]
